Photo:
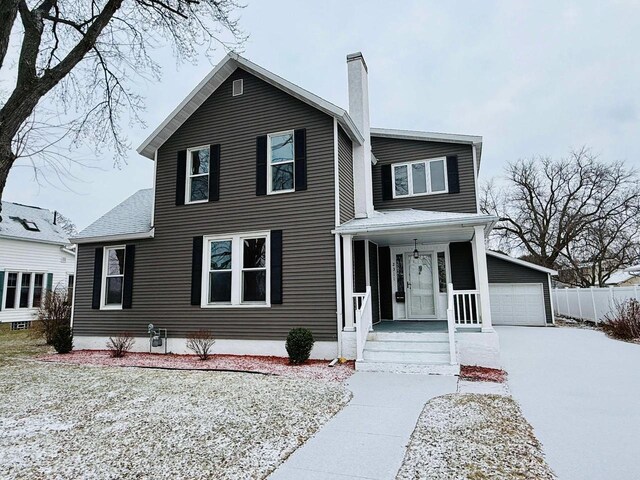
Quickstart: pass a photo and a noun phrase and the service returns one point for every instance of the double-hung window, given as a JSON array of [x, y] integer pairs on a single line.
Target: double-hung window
[[113, 281], [197, 175], [423, 177], [24, 290], [12, 287], [281, 162], [38, 285], [236, 270]]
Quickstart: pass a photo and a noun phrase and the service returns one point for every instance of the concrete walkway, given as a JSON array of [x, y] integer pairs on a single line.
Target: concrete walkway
[[581, 393], [368, 438]]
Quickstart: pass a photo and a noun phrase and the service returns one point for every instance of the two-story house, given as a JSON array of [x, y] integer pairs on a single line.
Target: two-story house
[[273, 209]]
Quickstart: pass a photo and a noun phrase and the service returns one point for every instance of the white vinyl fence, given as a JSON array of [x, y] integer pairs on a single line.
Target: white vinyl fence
[[591, 303]]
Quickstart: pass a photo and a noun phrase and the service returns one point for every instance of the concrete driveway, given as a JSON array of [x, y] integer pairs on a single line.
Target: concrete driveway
[[581, 392]]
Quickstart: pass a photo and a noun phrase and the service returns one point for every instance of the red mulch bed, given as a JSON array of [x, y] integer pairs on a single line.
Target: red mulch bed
[[482, 374], [313, 369]]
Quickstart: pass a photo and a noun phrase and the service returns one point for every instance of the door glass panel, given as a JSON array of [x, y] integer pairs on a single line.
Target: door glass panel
[[421, 301], [419, 175], [442, 273]]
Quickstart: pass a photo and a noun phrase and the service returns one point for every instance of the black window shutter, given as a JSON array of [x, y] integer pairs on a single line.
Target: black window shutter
[[276, 267], [387, 187], [97, 279], [196, 271], [129, 263], [300, 155], [214, 173], [181, 176], [453, 179], [261, 165]]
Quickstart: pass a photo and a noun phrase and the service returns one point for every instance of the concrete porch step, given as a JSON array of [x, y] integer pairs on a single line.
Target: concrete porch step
[[404, 357], [412, 367], [408, 346], [409, 336]]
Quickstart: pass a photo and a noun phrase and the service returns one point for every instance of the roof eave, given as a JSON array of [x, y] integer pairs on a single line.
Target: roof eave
[[114, 238], [524, 263], [35, 240], [488, 221]]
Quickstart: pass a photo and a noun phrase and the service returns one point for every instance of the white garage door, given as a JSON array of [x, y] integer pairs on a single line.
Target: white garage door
[[517, 303]]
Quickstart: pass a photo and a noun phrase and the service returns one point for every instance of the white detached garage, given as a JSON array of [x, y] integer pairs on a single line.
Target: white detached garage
[[520, 291]]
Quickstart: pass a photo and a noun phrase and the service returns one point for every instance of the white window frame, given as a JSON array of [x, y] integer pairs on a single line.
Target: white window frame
[[427, 170], [189, 176], [105, 271], [16, 305], [270, 165], [237, 243], [240, 82]]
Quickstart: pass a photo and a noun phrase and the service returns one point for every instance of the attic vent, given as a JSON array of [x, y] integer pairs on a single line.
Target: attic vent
[[27, 224], [238, 87]]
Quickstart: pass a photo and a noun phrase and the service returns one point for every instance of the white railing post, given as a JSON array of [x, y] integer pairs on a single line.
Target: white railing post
[[595, 310], [347, 285], [483, 278], [566, 297], [363, 320], [579, 302], [451, 325]]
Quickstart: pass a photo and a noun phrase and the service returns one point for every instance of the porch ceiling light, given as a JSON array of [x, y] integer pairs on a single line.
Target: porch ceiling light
[[416, 253]]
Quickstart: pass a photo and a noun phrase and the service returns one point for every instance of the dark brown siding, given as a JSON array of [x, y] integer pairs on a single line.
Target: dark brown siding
[[373, 281], [502, 271], [462, 273], [161, 293], [388, 151], [386, 290], [345, 175]]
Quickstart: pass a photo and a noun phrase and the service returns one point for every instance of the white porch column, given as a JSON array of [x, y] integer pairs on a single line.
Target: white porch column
[[347, 281], [482, 277]]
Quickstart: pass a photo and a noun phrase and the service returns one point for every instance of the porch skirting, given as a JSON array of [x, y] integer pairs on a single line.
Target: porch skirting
[[321, 350], [478, 348]]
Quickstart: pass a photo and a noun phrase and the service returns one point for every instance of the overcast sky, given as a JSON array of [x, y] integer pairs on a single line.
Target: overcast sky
[[535, 78]]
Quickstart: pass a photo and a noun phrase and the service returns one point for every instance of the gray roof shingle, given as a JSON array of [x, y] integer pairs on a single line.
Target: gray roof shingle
[[133, 216], [12, 227]]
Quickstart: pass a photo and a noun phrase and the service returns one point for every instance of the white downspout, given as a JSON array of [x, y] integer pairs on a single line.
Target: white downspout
[[338, 256]]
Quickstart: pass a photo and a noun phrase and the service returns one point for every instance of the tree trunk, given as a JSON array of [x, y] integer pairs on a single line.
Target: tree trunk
[[7, 157]]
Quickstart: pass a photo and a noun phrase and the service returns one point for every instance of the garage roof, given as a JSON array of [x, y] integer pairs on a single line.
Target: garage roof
[[524, 263]]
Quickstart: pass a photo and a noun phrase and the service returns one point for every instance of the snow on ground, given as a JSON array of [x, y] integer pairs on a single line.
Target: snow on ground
[[314, 369], [80, 422], [581, 391], [469, 436]]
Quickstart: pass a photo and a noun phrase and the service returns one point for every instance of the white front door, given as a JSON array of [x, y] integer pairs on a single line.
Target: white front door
[[420, 286]]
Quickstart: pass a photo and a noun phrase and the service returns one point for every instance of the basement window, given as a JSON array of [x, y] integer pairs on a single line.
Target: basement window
[[238, 87]]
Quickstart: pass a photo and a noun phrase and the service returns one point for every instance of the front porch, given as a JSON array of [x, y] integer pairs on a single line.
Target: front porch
[[425, 277]]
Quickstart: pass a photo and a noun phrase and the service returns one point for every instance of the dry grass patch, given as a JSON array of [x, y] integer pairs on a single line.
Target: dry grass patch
[[475, 437]]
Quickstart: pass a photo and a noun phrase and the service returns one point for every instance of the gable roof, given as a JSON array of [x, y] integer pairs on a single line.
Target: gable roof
[[430, 137], [523, 263], [216, 77], [131, 219], [14, 214]]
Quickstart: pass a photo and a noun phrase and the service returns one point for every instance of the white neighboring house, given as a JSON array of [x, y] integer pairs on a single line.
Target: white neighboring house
[[35, 255], [625, 277]]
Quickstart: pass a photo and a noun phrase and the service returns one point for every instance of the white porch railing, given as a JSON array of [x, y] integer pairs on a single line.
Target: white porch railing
[[363, 319], [451, 324], [466, 306]]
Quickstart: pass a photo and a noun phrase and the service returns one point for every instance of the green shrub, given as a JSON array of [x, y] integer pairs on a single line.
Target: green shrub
[[299, 344], [62, 339]]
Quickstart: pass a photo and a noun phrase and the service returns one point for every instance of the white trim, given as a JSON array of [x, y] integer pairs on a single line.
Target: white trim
[[35, 240], [18, 292], [189, 176], [553, 314], [427, 175], [417, 227], [153, 188], [236, 270], [105, 270], [75, 284], [115, 238], [215, 78], [270, 165], [425, 136], [336, 237], [524, 263], [336, 173]]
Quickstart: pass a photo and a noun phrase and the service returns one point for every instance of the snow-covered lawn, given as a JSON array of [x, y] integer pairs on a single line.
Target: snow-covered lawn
[[97, 422], [470, 436], [314, 369]]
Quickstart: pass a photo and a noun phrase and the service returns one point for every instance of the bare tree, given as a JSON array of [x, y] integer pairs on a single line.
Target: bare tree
[[76, 62], [66, 224], [577, 214]]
